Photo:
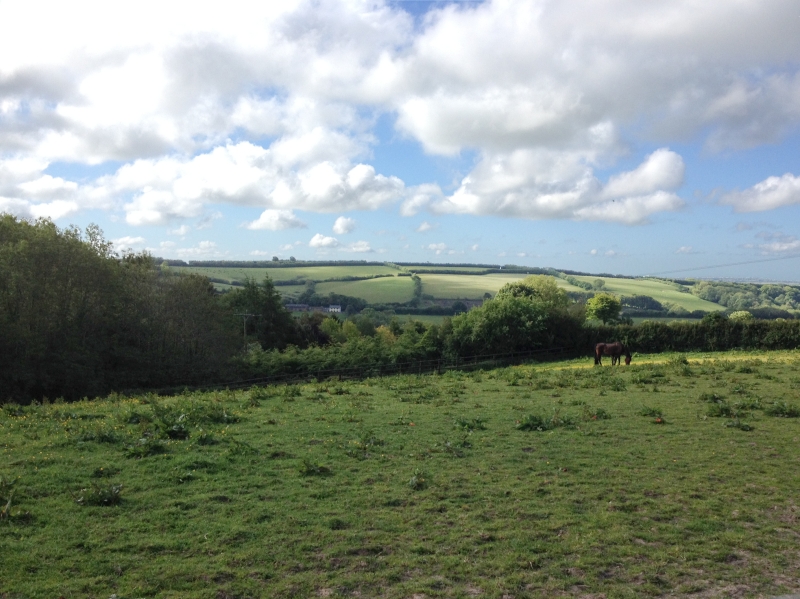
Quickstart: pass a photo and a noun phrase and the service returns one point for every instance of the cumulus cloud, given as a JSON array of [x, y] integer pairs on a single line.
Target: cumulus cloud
[[321, 241], [344, 225], [544, 94], [786, 245], [544, 184], [437, 247], [424, 226], [126, 242], [359, 247], [171, 188], [685, 249], [277, 220], [773, 192]]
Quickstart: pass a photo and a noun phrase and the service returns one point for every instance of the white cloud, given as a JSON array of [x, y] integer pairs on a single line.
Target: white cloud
[[771, 193], [359, 247], [437, 247], [126, 242], [663, 169], [545, 95], [685, 249], [790, 244], [204, 249], [344, 225], [277, 220], [167, 244], [593, 252], [545, 184], [179, 231], [321, 241], [474, 248], [424, 226]]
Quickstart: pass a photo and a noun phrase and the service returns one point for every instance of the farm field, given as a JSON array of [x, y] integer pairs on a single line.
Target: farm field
[[676, 475], [315, 273], [396, 289], [663, 292], [473, 286]]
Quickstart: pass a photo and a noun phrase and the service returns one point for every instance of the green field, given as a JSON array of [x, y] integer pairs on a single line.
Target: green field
[[312, 273], [473, 286], [441, 286], [662, 478], [375, 291], [663, 292]]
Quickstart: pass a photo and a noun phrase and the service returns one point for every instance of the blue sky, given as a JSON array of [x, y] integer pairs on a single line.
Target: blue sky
[[622, 137]]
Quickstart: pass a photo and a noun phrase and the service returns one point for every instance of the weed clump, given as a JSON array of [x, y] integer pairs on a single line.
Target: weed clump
[[144, 447], [100, 495], [595, 413], [361, 447], [418, 481], [535, 422], [470, 424], [781, 409], [309, 468], [736, 423]]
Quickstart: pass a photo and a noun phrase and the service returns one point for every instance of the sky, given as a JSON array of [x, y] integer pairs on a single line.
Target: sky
[[629, 137]]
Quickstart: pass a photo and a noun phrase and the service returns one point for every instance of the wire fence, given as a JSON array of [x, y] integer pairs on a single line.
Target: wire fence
[[418, 367]]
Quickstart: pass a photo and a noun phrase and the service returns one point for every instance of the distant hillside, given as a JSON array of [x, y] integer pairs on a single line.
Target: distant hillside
[[430, 285]]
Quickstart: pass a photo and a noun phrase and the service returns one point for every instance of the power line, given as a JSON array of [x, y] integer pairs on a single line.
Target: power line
[[668, 272]]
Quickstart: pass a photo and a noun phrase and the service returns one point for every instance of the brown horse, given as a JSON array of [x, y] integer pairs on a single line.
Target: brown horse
[[615, 350]]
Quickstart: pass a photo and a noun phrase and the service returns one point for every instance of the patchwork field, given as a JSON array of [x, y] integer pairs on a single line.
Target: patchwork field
[[669, 477], [441, 286]]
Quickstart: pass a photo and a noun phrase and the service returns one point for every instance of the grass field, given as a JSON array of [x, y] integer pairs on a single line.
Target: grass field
[[663, 292], [558, 480], [314, 273], [449, 286], [396, 289], [473, 286]]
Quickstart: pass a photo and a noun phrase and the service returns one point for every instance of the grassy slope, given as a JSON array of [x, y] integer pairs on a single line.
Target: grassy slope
[[621, 506], [397, 289], [315, 273], [473, 287], [663, 292]]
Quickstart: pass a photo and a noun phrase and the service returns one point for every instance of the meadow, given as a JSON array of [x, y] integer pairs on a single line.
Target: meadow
[[393, 289], [676, 475], [660, 290]]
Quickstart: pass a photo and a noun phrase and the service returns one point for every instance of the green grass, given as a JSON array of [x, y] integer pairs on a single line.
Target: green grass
[[663, 292], [473, 286], [416, 486], [397, 289], [315, 273]]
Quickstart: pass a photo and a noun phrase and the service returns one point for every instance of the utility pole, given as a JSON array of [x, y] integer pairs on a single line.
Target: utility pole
[[244, 329]]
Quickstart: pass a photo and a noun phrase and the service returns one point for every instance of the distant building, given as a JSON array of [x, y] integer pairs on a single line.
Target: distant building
[[334, 308], [297, 307]]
